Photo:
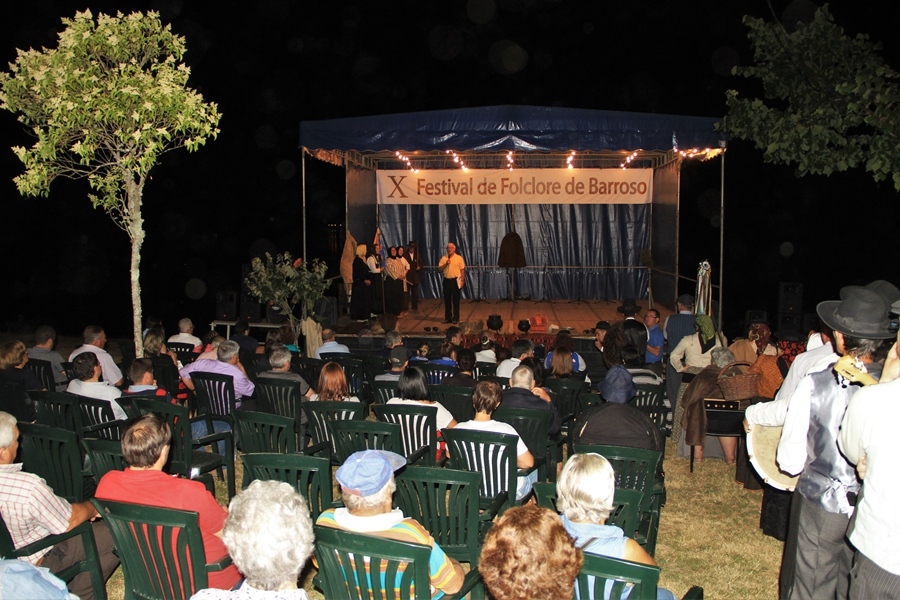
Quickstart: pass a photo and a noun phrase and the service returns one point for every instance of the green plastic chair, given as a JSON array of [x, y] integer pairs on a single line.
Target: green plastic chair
[[16, 401], [355, 436], [184, 458], [55, 455], [484, 368], [435, 374], [184, 352], [503, 382], [346, 560], [533, 427], [382, 391], [105, 456], [564, 394], [161, 550], [265, 432], [215, 396], [97, 419], [418, 430], [354, 371], [635, 469], [455, 398], [282, 397], [320, 415], [605, 577], [308, 368], [57, 409], [650, 401], [44, 372], [309, 475], [626, 506], [89, 564]]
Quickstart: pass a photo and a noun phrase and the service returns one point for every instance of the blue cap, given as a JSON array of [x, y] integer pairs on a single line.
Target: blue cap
[[618, 386], [365, 473]]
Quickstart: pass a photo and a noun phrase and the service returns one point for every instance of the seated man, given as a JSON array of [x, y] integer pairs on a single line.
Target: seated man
[[367, 489], [485, 352], [399, 360], [521, 349], [520, 395], [465, 360], [86, 369], [95, 341], [186, 335], [280, 361], [392, 339], [32, 512], [243, 338], [329, 345], [141, 373], [228, 363], [44, 338], [145, 447]]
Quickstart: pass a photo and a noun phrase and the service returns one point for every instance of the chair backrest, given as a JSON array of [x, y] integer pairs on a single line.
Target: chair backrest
[[58, 409], [44, 372], [374, 364], [97, 419], [455, 398], [435, 374], [445, 502], [161, 549], [310, 475], [649, 400], [635, 468], [348, 560], [626, 505], [281, 397], [308, 368], [215, 394], [564, 394], [184, 352], [532, 425], [724, 418], [503, 382], [493, 455], [16, 401], [605, 577], [354, 370], [166, 374], [179, 424], [319, 415], [382, 391], [418, 429], [54, 454], [265, 432], [484, 368], [105, 455], [356, 435]]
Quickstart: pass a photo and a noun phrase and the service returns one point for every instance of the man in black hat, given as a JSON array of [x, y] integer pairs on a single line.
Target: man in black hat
[[828, 487], [636, 332]]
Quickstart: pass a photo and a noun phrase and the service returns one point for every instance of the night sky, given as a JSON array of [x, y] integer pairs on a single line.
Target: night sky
[[271, 64]]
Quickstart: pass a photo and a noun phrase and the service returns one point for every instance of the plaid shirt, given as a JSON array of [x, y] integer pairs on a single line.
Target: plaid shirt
[[30, 508]]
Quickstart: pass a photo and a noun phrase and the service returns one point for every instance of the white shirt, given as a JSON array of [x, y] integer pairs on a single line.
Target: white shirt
[[486, 356], [493, 426], [185, 338], [111, 373], [771, 414], [330, 346], [99, 391], [869, 429], [506, 368], [443, 417]]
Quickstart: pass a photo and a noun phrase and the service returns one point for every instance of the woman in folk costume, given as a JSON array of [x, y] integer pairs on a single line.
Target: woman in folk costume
[[690, 356], [361, 293]]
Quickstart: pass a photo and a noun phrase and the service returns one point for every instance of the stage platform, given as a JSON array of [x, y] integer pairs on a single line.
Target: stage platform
[[579, 317]]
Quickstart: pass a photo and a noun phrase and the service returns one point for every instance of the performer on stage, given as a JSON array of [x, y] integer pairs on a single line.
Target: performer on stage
[[453, 268], [412, 277]]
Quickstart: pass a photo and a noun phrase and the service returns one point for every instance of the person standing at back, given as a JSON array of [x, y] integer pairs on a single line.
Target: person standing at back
[[453, 268]]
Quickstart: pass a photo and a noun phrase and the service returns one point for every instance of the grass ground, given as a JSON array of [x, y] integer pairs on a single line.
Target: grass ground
[[709, 536]]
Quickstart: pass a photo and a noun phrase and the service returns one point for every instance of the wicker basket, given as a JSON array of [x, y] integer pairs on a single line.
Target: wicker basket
[[738, 387]]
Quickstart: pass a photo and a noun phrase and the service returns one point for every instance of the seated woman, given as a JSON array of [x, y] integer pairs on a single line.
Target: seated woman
[[585, 491], [333, 385], [486, 399], [564, 341], [560, 364], [269, 536], [528, 554], [421, 355], [465, 360], [412, 388], [448, 354], [163, 358], [13, 358]]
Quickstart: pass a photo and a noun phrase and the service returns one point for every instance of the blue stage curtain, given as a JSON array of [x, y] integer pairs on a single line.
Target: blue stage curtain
[[572, 251]]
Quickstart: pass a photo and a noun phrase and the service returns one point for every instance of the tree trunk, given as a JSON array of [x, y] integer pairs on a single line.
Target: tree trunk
[[135, 227]]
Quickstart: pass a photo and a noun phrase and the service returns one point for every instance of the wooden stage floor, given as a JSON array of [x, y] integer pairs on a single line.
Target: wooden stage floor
[[564, 314]]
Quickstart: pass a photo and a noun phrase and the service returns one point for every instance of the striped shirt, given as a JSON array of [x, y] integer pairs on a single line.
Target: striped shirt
[[30, 509]]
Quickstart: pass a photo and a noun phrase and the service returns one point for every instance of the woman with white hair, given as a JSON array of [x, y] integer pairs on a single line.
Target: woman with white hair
[[269, 537], [585, 492]]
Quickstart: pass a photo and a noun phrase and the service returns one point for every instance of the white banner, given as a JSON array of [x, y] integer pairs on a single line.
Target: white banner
[[523, 186]]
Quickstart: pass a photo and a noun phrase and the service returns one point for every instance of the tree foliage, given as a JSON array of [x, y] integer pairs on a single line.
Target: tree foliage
[[104, 105], [831, 103], [285, 282]]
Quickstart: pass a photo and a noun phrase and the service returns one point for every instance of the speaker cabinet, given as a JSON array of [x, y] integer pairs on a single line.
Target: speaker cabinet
[[226, 306], [790, 298], [250, 308]]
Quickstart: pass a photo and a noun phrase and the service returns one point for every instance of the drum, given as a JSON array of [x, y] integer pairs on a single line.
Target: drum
[[762, 443]]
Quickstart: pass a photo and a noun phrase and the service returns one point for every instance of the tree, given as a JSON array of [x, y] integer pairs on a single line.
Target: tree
[[831, 103], [283, 282], [104, 105]]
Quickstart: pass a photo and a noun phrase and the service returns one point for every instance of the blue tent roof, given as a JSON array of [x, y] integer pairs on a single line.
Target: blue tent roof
[[522, 128]]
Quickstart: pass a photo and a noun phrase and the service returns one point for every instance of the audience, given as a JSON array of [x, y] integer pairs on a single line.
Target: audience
[[528, 554], [392, 339], [367, 487], [422, 352], [31, 512], [521, 349], [448, 354], [210, 348], [243, 338], [143, 382], [145, 447], [87, 382], [585, 493], [228, 363], [269, 536], [564, 341], [333, 385], [186, 335], [693, 420], [485, 352], [13, 359], [95, 341], [399, 360], [486, 399], [44, 339], [280, 363], [465, 361], [412, 388], [329, 345], [520, 394]]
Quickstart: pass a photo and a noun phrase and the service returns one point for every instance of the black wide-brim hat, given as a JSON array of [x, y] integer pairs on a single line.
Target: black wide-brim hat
[[629, 307], [861, 313]]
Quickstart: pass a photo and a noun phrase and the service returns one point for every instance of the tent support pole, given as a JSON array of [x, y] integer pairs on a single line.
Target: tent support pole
[[721, 237], [303, 184]]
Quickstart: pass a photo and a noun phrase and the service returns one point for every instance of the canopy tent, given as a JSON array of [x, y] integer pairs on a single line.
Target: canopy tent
[[579, 246]]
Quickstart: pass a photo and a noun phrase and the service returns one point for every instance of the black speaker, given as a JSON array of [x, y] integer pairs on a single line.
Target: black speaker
[[250, 309], [790, 298], [790, 328], [226, 306], [326, 310], [754, 316]]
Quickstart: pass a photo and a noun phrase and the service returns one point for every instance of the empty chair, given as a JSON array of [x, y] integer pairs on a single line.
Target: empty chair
[[382, 391], [105, 456], [97, 419], [55, 455], [320, 415], [309, 475], [355, 435], [43, 371]]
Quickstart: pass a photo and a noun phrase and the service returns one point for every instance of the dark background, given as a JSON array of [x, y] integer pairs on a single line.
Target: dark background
[[273, 63]]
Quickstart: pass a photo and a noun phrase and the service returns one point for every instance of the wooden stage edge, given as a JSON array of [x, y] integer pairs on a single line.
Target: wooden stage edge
[[576, 316]]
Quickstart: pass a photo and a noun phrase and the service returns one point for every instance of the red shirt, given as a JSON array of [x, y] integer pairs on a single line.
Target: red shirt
[[156, 488]]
